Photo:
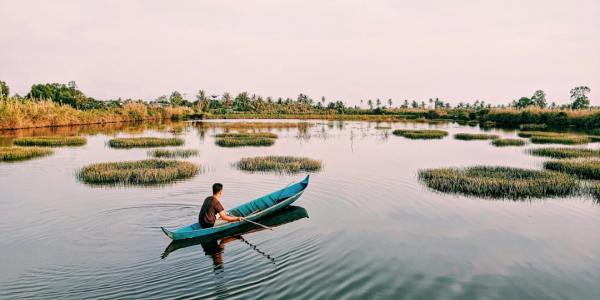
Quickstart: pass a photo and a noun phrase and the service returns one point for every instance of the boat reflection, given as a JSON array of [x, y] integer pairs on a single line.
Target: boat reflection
[[215, 246]]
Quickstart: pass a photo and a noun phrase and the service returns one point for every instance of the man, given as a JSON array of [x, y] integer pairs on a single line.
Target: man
[[211, 207]]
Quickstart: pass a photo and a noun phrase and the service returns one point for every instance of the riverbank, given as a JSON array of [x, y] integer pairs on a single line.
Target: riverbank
[[19, 114]]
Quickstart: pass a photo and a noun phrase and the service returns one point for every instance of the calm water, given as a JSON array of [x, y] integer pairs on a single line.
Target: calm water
[[372, 231]]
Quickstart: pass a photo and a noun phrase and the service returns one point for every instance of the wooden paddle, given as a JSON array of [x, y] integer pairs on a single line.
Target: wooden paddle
[[257, 224]]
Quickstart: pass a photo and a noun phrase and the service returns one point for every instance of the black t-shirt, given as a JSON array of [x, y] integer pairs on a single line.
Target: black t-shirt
[[210, 208]]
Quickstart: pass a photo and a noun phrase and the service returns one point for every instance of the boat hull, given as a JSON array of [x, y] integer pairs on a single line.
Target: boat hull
[[194, 231]]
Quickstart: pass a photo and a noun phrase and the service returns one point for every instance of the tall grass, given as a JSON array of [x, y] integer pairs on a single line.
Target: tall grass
[[247, 135], [144, 142], [565, 152], [586, 168], [420, 133], [508, 142], [15, 114], [245, 139], [499, 182], [152, 171], [474, 136], [242, 142], [288, 164], [255, 125], [50, 141], [22, 153], [566, 140], [167, 153]]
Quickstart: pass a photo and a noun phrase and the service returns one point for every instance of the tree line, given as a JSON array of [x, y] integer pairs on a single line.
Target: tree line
[[251, 103]]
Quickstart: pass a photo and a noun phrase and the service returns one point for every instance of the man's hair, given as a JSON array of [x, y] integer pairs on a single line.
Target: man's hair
[[217, 187]]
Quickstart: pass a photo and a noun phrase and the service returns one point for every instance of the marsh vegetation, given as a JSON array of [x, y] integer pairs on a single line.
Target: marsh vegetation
[[420, 133], [508, 142], [565, 152], [586, 168], [170, 153], [499, 182], [245, 139], [287, 164], [151, 171], [474, 136], [50, 141], [144, 142], [22, 153]]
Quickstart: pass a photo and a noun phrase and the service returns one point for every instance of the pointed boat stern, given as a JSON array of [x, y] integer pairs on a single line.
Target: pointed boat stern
[[167, 232]]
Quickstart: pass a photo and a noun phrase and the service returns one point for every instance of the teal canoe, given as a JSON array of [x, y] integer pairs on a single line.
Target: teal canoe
[[252, 211]]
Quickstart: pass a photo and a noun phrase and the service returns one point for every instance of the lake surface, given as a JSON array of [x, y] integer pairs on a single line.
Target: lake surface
[[372, 232]]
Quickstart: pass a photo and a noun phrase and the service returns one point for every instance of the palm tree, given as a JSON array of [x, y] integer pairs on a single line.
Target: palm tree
[[370, 103], [390, 102]]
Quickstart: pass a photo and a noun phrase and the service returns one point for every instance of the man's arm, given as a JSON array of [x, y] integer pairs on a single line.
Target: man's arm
[[223, 214]]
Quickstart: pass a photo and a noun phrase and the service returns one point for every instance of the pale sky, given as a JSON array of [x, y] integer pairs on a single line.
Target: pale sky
[[459, 50]]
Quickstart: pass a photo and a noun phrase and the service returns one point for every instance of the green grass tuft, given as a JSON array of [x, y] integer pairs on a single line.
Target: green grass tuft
[[172, 153], [151, 171], [247, 135], [22, 153], [541, 126], [245, 139], [474, 136], [508, 142], [287, 164], [420, 134], [565, 152], [566, 139], [51, 141], [585, 168], [143, 142], [499, 182]]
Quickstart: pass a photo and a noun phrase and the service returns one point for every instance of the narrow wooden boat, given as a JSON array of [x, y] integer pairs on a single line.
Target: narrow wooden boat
[[252, 211], [283, 216]]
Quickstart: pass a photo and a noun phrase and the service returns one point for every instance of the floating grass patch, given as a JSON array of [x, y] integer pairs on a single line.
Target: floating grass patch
[[541, 126], [586, 168], [143, 142], [420, 133], [474, 136], [50, 141], [499, 182], [22, 153], [528, 134], [151, 171], [508, 142], [167, 153], [565, 152], [381, 127], [243, 139], [247, 135], [564, 139], [287, 164]]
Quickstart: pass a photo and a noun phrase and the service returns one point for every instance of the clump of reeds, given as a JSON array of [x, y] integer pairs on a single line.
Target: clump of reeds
[[565, 152], [586, 168], [287, 164], [381, 127], [255, 125], [247, 135], [50, 141], [22, 153], [499, 182], [533, 126], [595, 190], [546, 137], [143, 142], [245, 139], [420, 133], [151, 171], [508, 142], [474, 136], [168, 153], [566, 139]]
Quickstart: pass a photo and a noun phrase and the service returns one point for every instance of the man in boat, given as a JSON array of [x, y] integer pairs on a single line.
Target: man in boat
[[212, 207]]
